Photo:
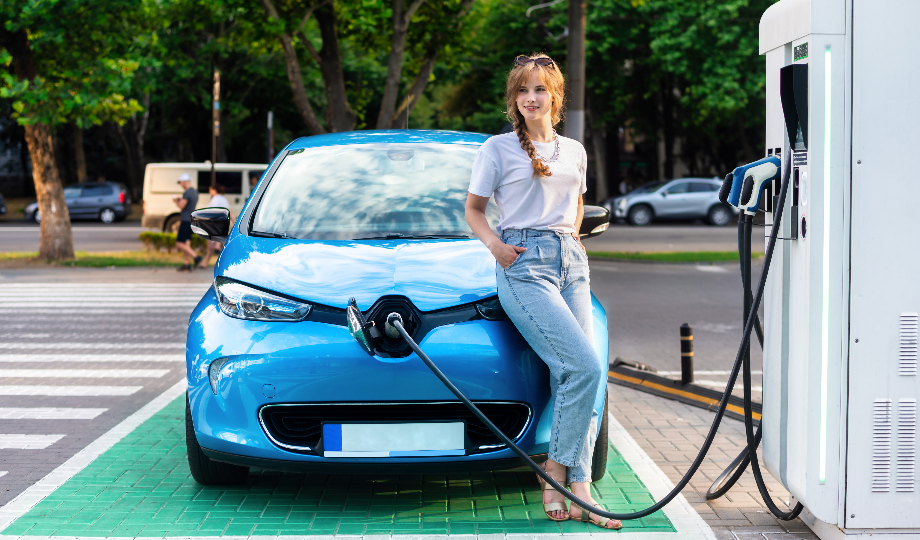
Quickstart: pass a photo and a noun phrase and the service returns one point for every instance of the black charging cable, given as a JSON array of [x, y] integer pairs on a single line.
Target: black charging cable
[[395, 320]]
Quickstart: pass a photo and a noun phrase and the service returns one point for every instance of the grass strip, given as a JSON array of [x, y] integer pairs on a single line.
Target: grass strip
[[101, 259], [671, 256]]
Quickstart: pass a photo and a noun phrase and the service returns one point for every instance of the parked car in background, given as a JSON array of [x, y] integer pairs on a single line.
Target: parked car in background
[[161, 185], [104, 201], [686, 198]]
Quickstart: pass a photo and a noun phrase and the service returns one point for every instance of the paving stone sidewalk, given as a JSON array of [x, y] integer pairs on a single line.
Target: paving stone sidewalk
[[671, 434]]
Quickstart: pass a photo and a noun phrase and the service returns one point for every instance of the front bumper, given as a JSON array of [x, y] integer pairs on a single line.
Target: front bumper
[[312, 362]]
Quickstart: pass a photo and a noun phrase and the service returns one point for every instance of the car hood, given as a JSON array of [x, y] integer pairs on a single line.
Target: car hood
[[433, 274]]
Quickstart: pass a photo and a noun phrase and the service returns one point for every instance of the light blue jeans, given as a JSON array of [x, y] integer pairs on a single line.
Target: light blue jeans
[[546, 294]]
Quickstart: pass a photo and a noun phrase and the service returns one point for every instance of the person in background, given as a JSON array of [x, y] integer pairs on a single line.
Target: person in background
[[217, 201], [186, 204], [254, 181]]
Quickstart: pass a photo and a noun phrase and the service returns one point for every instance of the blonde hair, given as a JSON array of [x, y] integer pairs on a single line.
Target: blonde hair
[[552, 78]]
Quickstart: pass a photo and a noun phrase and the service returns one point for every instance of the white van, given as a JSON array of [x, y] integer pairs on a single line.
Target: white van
[[161, 185]]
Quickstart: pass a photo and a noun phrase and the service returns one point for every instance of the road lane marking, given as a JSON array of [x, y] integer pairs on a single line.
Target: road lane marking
[[721, 384], [18, 441], [704, 372], [2, 473], [70, 391], [49, 413], [674, 391], [90, 345], [683, 517], [56, 478], [84, 373], [713, 269], [92, 358]]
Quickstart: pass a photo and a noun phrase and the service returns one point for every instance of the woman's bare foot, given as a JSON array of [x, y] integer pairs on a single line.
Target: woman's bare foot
[[557, 472], [582, 490]]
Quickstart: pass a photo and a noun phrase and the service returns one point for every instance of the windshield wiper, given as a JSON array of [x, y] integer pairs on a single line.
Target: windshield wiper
[[398, 236], [271, 235]]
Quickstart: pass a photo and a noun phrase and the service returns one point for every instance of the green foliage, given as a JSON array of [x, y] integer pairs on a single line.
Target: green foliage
[[156, 241], [83, 60]]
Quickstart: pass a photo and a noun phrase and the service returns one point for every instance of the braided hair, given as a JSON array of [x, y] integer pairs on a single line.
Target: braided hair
[[555, 84]]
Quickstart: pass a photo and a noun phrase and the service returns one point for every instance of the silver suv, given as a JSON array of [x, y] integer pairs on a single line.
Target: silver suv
[[687, 198]]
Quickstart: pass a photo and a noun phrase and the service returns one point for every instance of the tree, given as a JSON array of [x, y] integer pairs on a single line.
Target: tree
[[64, 69]]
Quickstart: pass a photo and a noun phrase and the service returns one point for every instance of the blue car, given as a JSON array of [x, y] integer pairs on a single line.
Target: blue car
[[276, 379]]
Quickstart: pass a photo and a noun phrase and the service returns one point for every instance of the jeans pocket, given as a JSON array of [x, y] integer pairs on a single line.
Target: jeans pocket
[[516, 242]]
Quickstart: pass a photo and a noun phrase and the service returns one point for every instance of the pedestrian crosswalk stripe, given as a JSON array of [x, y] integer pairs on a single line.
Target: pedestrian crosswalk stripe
[[70, 391], [97, 303], [85, 373], [91, 345], [49, 413], [117, 311], [17, 441], [92, 358], [2, 473]]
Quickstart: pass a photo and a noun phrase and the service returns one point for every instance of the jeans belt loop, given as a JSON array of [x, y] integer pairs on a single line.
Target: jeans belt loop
[[523, 235]]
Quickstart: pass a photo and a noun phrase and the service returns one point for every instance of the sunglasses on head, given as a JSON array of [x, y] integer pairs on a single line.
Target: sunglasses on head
[[541, 61]]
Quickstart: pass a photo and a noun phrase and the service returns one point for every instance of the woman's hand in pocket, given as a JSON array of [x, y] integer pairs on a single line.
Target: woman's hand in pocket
[[506, 254]]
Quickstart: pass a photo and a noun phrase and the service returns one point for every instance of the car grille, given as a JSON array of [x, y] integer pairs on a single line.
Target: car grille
[[297, 427]]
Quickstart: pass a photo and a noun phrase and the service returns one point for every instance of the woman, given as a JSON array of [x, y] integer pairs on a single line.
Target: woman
[[538, 178], [217, 201]]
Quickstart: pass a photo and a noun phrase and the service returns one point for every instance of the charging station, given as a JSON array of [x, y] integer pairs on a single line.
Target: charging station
[[842, 298]]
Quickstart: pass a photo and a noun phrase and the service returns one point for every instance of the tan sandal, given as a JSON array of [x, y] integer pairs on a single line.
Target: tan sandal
[[553, 506], [601, 521]]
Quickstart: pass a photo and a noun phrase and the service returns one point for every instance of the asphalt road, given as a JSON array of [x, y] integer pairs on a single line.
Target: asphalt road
[[22, 236], [122, 236]]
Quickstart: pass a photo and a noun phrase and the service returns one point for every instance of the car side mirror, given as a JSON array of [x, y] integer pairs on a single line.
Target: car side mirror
[[595, 221], [664, 193], [212, 224]]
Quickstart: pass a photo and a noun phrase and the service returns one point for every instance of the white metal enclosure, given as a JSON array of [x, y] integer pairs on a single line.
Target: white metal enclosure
[[841, 305]]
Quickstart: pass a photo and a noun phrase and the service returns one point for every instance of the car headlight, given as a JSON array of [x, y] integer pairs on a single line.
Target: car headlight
[[491, 310], [244, 302]]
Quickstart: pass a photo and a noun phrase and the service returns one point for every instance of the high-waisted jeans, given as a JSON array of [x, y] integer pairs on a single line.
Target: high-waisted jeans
[[546, 294]]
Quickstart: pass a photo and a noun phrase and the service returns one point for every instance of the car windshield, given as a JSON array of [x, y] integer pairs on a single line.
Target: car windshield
[[648, 188], [369, 191]]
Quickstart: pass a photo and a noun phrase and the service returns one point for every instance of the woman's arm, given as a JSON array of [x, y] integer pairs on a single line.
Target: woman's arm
[[476, 218], [579, 216]]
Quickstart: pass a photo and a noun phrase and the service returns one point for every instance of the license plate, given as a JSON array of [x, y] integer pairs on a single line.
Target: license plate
[[426, 439]]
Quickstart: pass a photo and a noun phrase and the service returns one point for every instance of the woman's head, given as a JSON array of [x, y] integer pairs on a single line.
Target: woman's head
[[535, 92], [216, 189]]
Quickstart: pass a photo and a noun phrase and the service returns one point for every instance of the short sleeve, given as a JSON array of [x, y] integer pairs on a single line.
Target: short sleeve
[[485, 177], [583, 170]]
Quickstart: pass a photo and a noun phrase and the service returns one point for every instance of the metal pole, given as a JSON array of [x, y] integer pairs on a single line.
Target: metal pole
[[270, 138], [686, 354], [216, 131], [575, 64]]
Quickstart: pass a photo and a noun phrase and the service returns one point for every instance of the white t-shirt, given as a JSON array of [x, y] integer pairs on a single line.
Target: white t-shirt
[[219, 201], [524, 201]]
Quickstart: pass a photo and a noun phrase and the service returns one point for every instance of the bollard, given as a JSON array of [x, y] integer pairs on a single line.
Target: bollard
[[686, 354]]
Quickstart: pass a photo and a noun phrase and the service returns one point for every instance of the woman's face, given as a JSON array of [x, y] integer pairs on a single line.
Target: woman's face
[[533, 99]]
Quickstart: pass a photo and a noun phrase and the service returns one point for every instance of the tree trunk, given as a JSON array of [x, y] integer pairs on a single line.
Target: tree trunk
[[56, 238], [667, 110], [401, 18], [596, 133], [401, 120], [339, 116], [78, 152], [129, 143], [292, 67], [613, 158]]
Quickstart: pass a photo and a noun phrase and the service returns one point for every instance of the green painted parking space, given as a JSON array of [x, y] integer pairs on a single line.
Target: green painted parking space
[[142, 487]]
